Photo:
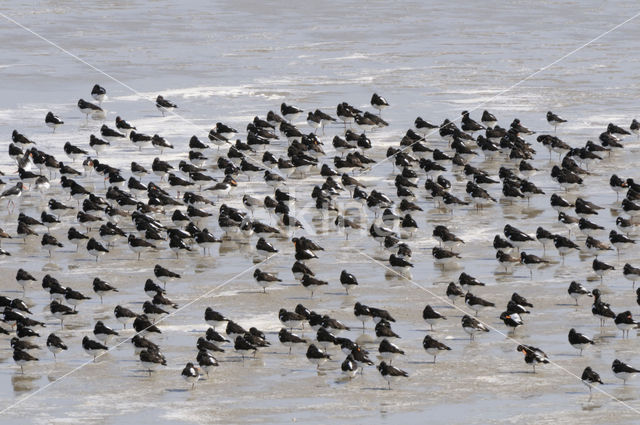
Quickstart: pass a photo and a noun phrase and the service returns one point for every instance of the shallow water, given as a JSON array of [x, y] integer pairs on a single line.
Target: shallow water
[[233, 60]]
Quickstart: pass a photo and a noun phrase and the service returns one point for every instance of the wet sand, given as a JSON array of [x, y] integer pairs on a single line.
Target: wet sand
[[485, 381]]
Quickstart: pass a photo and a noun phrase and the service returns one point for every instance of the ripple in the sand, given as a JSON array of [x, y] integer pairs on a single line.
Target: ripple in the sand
[[51, 267]]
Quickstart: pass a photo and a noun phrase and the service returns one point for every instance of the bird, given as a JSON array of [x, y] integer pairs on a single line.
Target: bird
[[74, 297], [191, 374], [312, 284], [348, 281], [98, 93], [24, 278], [103, 332], [164, 275], [472, 326], [152, 359], [379, 102], [22, 358], [12, 194], [93, 348], [289, 339], [290, 319], [454, 291], [625, 322], [476, 303], [554, 120], [578, 340], [434, 347], [389, 351], [431, 316], [516, 236], [631, 273], [622, 370], [100, 287], [206, 361], [265, 279], [601, 309], [601, 268], [50, 243], [143, 325], [532, 355], [577, 290], [590, 377], [138, 245], [95, 248], [391, 373], [89, 108], [532, 262], [243, 346], [124, 315], [55, 344], [164, 105], [52, 121]]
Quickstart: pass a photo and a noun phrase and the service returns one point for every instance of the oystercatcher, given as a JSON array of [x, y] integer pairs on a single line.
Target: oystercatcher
[[532, 355], [434, 347], [578, 340]]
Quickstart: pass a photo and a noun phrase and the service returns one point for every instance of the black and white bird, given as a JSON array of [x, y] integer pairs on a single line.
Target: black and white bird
[[454, 292], [477, 304], [164, 105], [577, 290], [472, 326], [164, 275], [124, 315], [389, 351], [152, 359], [431, 316], [348, 281], [578, 340], [434, 347], [631, 273], [532, 355], [191, 374], [554, 120], [625, 322], [55, 344], [101, 288], [379, 102], [244, 347], [391, 373], [89, 108], [93, 348], [98, 93], [22, 358], [95, 248], [103, 332], [590, 377], [623, 371], [290, 112], [265, 279], [511, 318], [53, 121], [289, 339], [600, 309], [74, 297], [206, 361]]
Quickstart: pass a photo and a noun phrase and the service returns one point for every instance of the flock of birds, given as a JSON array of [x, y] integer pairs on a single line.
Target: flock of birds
[[176, 207]]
